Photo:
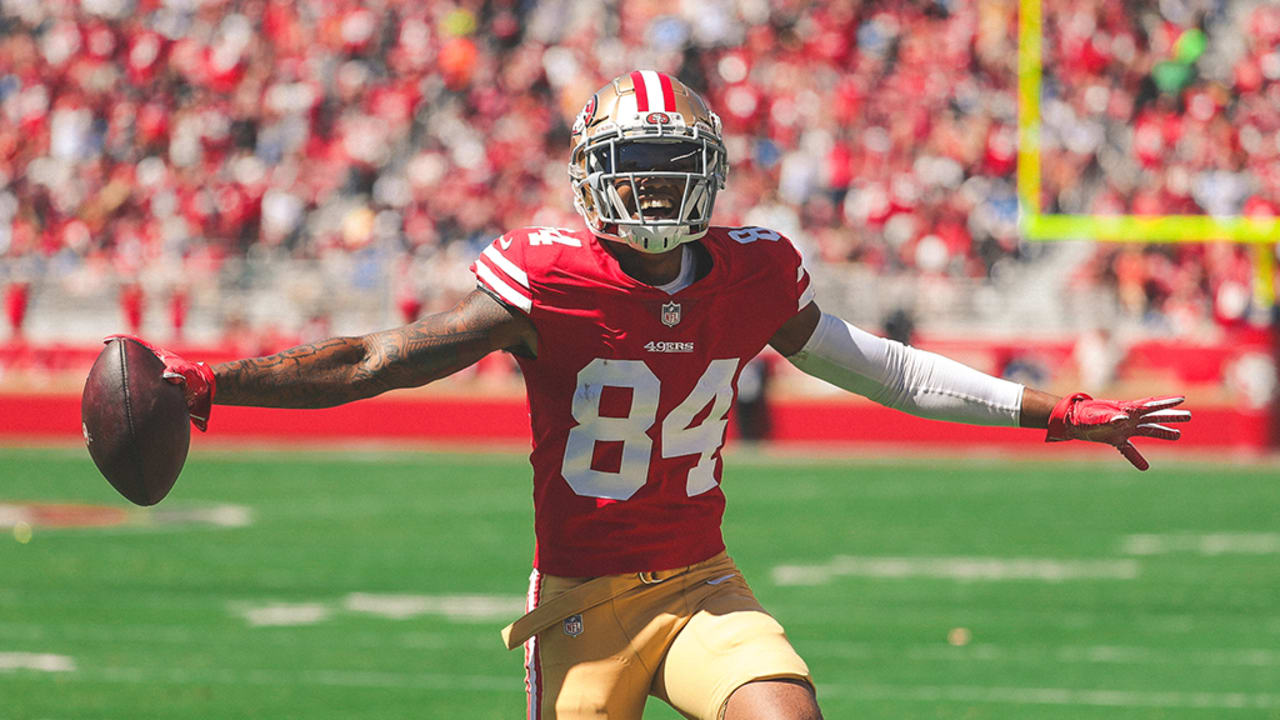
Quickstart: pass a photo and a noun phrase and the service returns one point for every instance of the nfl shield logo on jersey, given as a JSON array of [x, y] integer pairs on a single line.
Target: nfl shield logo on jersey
[[671, 314], [573, 625]]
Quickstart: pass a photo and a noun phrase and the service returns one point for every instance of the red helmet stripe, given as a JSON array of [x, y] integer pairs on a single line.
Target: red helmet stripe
[[668, 93], [641, 92]]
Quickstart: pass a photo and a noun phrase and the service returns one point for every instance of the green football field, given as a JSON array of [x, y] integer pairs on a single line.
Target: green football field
[[327, 584]]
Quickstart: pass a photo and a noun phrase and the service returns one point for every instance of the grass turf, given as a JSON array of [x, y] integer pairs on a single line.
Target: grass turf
[[921, 617]]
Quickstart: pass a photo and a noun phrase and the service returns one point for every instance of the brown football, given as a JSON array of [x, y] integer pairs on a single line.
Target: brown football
[[135, 423]]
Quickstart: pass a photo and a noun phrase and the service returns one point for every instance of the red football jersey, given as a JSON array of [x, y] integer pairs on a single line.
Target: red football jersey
[[631, 388]]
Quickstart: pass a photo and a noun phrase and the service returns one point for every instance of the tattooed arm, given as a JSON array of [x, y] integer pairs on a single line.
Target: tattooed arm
[[343, 369]]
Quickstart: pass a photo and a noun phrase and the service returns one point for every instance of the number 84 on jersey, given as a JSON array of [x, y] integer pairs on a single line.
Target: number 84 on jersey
[[678, 437]]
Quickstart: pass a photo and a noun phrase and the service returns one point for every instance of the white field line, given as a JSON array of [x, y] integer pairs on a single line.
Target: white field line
[[1208, 544], [37, 515], [963, 569], [285, 678], [454, 608], [512, 684], [1054, 696], [218, 515], [282, 614], [459, 608], [145, 635], [40, 662], [1069, 654]]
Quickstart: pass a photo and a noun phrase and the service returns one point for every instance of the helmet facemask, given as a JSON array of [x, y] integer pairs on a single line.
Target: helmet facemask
[[655, 194], [649, 181]]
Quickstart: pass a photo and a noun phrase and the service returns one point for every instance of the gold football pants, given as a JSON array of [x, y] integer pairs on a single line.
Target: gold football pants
[[689, 637]]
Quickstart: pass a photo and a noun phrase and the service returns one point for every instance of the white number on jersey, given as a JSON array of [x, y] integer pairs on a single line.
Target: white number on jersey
[[715, 387], [630, 430], [748, 235], [546, 236]]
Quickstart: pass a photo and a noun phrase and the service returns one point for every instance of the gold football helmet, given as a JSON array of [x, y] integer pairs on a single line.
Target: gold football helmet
[[648, 159]]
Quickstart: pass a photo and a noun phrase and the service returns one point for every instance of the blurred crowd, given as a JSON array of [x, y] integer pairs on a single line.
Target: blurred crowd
[[148, 144], [1171, 110]]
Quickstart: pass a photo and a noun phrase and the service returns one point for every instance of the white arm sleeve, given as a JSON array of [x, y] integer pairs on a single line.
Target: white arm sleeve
[[904, 378]]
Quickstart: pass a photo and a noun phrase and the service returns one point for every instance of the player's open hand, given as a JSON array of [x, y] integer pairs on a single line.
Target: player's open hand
[[1080, 417], [196, 379]]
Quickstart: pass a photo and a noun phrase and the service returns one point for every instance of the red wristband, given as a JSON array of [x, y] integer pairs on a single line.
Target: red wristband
[[1058, 421], [206, 372]]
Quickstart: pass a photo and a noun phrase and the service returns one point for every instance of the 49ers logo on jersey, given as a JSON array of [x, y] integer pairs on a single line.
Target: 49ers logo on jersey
[[662, 346]]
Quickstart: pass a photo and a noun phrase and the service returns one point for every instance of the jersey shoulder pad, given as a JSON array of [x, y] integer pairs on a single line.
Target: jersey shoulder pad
[[747, 235], [754, 241], [511, 266], [766, 250]]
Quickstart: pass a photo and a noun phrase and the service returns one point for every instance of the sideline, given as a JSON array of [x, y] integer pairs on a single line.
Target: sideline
[[1162, 455]]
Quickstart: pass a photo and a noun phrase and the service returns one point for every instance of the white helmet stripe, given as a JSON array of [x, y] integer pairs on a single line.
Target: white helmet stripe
[[651, 86]]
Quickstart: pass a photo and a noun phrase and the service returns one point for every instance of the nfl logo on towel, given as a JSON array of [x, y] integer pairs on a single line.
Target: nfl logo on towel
[[573, 625], [671, 314]]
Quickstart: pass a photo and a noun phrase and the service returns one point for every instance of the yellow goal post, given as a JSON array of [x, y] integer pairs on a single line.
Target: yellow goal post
[[1263, 233]]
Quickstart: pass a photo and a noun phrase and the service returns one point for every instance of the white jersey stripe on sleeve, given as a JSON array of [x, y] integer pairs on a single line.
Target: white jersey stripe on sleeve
[[512, 270], [806, 294], [653, 89], [806, 297], [500, 286]]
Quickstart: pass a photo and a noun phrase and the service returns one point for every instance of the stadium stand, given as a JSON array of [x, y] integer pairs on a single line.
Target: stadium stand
[[245, 173]]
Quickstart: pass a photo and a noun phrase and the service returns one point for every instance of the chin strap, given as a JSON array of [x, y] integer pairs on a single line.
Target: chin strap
[[656, 239]]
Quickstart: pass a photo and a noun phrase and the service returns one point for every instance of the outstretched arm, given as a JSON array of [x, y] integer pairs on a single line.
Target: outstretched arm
[[929, 385], [343, 369], [1037, 406], [895, 375]]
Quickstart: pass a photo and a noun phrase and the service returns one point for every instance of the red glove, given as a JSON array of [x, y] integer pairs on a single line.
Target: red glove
[[196, 379], [1080, 417]]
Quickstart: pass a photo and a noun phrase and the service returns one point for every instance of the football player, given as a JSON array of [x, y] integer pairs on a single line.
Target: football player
[[631, 333]]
